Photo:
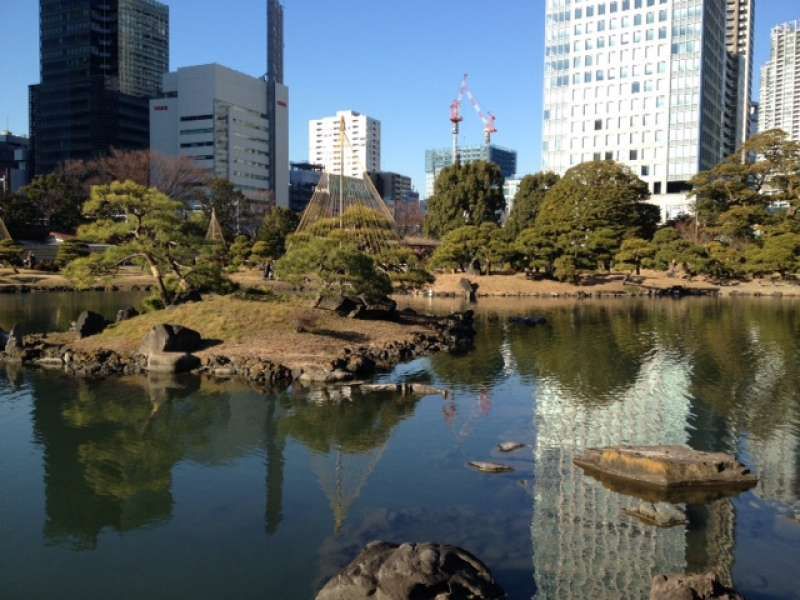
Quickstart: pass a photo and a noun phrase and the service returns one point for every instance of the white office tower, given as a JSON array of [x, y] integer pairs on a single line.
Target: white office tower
[[217, 117], [362, 143], [641, 82], [779, 106]]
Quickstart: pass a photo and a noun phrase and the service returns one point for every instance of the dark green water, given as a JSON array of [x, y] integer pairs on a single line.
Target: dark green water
[[176, 489]]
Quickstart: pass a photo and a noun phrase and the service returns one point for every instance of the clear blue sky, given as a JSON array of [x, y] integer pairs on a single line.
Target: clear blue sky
[[398, 61]]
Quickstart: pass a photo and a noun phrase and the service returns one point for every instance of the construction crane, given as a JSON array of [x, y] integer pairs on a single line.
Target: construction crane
[[487, 118]]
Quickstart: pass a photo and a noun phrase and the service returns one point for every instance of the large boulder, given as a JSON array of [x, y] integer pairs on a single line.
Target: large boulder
[[341, 305], [123, 314], [703, 586], [89, 323], [668, 467], [384, 309], [171, 362], [171, 338], [384, 571], [469, 289]]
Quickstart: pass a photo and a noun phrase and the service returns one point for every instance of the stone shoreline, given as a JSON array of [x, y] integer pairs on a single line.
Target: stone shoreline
[[452, 333]]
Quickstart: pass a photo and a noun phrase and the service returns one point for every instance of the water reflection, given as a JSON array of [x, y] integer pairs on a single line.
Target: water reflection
[[332, 472]]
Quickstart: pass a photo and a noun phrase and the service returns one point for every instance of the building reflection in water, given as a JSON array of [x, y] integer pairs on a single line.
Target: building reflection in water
[[583, 544]]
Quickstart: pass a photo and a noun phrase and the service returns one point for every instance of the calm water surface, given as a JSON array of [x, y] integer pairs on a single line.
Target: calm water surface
[[152, 488]]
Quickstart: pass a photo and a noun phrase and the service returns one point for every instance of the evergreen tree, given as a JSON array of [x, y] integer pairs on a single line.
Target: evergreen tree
[[529, 197], [468, 194], [278, 224]]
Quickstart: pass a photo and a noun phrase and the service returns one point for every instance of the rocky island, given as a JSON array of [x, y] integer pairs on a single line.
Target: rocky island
[[272, 342]]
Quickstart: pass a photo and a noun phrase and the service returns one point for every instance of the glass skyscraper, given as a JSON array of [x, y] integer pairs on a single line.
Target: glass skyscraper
[[436, 160], [648, 83], [100, 62]]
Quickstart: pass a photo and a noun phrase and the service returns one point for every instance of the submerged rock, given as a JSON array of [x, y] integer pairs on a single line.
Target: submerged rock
[[660, 514], [384, 571], [89, 323], [668, 467], [510, 446], [469, 289], [489, 467], [171, 338], [528, 321], [703, 586]]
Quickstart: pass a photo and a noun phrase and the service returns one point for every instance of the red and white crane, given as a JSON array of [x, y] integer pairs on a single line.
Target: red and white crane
[[487, 118]]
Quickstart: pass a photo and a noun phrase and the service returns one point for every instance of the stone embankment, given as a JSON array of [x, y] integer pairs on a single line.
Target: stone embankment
[[175, 349]]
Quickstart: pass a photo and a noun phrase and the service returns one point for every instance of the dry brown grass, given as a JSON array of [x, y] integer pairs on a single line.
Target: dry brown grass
[[266, 329], [519, 285]]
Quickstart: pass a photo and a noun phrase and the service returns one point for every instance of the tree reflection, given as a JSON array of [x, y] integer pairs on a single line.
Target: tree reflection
[[593, 351], [109, 451]]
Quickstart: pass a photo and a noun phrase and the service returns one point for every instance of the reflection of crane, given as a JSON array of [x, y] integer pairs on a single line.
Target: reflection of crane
[[488, 118]]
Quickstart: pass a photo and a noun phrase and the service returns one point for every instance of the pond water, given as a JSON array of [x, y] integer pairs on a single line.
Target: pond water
[[190, 488]]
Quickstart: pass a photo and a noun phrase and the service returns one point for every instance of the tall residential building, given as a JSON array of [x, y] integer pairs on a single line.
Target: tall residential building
[[643, 82], [14, 158], [437, 160], [779, 106], [738, 73], [277, 106], [362, 147], [100, 61], [217, 117]]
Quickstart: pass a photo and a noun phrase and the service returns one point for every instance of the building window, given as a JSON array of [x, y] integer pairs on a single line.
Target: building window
[[657, 187], [633, 155], [609, 156], [598, 124], [635, 87], [645, 171]]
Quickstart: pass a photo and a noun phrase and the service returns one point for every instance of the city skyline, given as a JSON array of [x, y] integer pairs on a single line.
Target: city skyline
[[406, 85]]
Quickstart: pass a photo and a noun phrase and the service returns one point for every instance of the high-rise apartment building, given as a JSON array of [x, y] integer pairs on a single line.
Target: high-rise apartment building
[[362, 146], [738, 73], [644, 83], [437, 160], [100, 61], [277, 106], [779, 106]]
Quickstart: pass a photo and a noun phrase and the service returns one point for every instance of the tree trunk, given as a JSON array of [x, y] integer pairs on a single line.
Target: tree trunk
[[156, 273]]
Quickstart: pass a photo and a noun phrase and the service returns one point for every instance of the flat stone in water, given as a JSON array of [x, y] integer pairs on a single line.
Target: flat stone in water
[[660, 514], [489, 467], [668, 467], [510, 446]]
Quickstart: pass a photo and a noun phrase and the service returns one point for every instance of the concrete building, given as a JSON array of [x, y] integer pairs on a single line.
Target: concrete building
[[393, 187], [362, 153], [100, 61], [217, 117], [779, 106], [303, 180], [437, 160], [14, 172], [647, 83], [277, 106]]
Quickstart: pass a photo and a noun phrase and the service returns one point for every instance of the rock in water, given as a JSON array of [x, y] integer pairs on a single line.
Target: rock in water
[[89, 323], [489, 467], [15, 346], [660, 514], [470, 289], [171, 338], [668, 467], [528, 321], [510, 446], [704, 586], [384, 571]]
